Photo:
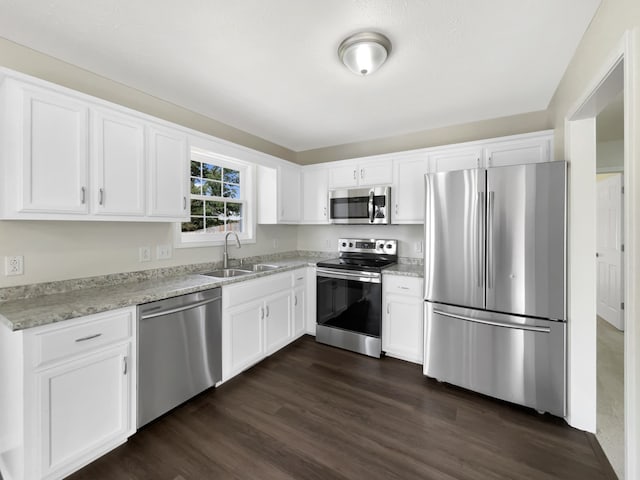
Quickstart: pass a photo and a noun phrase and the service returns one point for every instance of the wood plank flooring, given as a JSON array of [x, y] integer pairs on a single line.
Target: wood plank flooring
[[315, 412]]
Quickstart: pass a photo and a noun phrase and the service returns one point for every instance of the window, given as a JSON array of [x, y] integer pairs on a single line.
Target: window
[[219, 200]]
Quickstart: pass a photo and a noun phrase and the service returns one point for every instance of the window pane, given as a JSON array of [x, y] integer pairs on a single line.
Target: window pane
[[231, 191], [231, 176], [196, 186], [195, 225], [211, 188], [211, 171], [197, 207], [195, 169], [214, 209], [234, 217]]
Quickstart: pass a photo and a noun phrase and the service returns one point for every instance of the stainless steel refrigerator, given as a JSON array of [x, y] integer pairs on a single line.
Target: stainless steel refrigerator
[[495, 282]]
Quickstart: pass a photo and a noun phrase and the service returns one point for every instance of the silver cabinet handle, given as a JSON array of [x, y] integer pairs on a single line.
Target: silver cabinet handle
[[324, 211], [83, 198], [362, 173], [124, 365], [355, 174], [267, 309], [493, 323], [396, 209], [261, 313], [403, 288], [295, 300], [184, 203], [88, 337], [388, 309], [100, 196]]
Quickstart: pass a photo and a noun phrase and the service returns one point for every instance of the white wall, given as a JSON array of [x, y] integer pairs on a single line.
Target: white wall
[[55, 250], [325, 237]]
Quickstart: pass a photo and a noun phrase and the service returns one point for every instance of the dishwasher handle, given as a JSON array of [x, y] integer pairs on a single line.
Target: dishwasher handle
[[494, 323], [181, 308]]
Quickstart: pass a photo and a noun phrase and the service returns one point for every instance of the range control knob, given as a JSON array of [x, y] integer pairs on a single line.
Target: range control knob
[[344, 244], [388, 245], [381, 246], [351, 244]]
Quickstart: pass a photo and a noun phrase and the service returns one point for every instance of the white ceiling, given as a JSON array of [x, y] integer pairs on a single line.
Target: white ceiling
[[270, 67]]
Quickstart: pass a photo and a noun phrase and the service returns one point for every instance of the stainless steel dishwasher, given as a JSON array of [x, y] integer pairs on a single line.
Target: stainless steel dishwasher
[[179, 351]]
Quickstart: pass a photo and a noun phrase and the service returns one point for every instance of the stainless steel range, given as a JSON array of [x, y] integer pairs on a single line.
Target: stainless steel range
[[349, 295]]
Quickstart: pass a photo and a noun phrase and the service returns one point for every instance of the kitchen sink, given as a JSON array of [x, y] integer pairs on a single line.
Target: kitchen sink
[[228, 273], [264, 267]]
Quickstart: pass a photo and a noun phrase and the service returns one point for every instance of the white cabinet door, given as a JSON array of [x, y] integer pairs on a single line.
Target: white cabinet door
[[518, 152], [52, 150], [84, 406], [242, 337], [455, 159], [289, 194], [375, 172], [168, 169], [299, 311], [408, 189], [118, 156], [277, 318], [343, 175], [403, 324], [315, 186]]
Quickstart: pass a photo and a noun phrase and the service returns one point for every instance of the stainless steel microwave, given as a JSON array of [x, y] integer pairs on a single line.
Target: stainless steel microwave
[[369, 205]]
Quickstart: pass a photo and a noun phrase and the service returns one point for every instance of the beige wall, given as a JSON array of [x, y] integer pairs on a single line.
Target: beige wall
[[497, 127]]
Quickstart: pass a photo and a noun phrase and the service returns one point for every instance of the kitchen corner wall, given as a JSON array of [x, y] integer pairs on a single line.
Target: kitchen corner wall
[[55, 250], [325, 237]]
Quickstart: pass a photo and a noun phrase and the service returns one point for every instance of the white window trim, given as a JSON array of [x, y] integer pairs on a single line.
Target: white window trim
[[248, 197]]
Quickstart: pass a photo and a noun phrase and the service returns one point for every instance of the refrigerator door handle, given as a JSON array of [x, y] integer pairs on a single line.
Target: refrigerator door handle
[[493, 323], [490, 266], [479, 240]]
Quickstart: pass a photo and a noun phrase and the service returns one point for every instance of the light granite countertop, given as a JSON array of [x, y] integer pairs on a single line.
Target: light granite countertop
[[42, 304]]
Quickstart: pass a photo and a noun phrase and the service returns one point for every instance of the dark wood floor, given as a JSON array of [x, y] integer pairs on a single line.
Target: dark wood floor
[[315, 412]]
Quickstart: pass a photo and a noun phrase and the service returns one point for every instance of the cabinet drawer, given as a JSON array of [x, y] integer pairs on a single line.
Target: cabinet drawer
[[248, 290], [299, 277], [92, 332], [403, 285]]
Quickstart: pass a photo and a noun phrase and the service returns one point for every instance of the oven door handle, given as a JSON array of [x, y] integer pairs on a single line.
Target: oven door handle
[[368, 277]]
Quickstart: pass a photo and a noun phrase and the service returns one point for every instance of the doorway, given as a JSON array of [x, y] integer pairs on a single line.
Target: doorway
[[610, 281]]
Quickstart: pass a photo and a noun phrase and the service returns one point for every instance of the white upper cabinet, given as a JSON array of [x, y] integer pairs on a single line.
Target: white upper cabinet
[[168, 167], [118, 144], [408, 190], [315, 186], [361, 173], [516, 152], [289, 194], [279, 194], [69, 156], [449, 159], [46, 150]]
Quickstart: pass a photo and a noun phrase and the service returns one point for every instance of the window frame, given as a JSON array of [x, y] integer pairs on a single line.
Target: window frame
[[247, 199]]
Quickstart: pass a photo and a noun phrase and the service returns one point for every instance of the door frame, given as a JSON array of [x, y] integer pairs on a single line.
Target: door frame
[[580, 145]]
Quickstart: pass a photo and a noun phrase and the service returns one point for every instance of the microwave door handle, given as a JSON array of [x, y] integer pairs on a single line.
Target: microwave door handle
[[372, 209]]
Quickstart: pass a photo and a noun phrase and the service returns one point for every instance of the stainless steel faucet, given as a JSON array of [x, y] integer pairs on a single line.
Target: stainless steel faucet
[[225, 255]]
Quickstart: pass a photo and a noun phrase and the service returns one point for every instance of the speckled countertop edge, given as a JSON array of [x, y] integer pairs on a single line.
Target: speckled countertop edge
[[35, 305], [46, 308]]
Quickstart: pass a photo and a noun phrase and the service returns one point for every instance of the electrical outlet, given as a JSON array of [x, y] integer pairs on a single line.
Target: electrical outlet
[[14, 265], [144, 254], [163, 252]]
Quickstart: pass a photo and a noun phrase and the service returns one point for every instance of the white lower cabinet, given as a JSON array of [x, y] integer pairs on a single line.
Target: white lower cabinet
[[68, 394], [402, 323], [261, 316]]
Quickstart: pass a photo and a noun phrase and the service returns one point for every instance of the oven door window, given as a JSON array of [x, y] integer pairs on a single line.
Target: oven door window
[[349, 305], [349, 208]]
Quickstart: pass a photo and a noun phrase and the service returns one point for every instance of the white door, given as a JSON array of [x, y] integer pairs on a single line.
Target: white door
[[609, 249], [119, 156], [84, 406], [55, 153], [315, 183], [375, 173], [168, 167], [343, 176], [408, 190], [455, 159], [277, 318], [289, 188]]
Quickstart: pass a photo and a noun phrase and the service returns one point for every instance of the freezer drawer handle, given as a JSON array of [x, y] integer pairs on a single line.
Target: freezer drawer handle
[[493, 323], [178, 309]]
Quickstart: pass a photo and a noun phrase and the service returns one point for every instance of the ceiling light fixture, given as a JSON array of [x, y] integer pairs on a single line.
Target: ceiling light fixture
[[363, 53]]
